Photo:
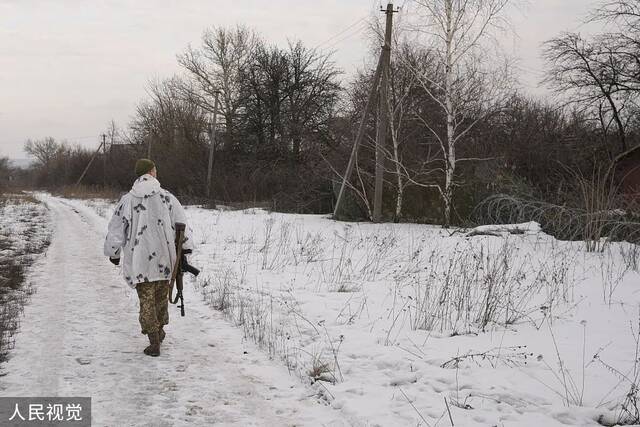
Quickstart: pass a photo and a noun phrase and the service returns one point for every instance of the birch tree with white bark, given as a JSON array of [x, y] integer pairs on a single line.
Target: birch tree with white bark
[[470, 78], [405, 102]]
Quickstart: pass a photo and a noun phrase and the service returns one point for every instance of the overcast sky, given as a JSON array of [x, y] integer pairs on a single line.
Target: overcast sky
[[67, 67]]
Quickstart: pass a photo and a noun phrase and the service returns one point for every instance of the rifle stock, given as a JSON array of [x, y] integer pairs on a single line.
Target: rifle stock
[[181, 266]]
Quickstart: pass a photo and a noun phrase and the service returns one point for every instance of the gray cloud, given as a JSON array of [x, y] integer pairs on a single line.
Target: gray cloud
[[67, 67]]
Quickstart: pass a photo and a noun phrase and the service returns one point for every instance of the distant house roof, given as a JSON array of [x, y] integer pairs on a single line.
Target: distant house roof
[[626, 170]]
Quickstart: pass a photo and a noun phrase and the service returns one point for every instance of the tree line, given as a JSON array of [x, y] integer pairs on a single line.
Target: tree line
[[461, 130]]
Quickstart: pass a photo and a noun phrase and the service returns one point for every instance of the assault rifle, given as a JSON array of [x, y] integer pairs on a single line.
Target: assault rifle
[[182, 266]]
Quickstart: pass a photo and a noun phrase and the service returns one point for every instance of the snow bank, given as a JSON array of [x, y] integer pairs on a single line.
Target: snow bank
[[25, 231], [502, 229]]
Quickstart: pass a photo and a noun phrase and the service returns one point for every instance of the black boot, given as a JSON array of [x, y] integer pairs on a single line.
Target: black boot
[[154, 348], [162, 334]]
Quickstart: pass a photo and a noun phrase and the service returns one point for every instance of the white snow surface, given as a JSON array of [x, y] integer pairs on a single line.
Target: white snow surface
[[80, 337], [22, 222], [395, 320], [355, 293], [531, 227]]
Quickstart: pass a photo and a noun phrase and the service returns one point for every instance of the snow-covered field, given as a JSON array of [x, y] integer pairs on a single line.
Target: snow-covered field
[[25, 231], [404, 324], [80, 336]]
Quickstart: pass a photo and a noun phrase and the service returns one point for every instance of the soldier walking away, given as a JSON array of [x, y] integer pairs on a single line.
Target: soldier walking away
[[142, 234]]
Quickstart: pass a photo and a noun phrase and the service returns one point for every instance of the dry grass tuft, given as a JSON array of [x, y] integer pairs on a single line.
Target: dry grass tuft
[[19, 251], [87, 192]]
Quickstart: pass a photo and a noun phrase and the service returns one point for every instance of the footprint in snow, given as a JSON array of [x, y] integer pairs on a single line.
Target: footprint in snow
[[193, 410]]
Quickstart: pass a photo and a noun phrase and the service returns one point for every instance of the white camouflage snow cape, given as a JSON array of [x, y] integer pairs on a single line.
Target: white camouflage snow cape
[[142, 233]]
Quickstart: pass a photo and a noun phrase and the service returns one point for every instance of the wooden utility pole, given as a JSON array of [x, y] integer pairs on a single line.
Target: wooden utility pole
[[149, 139], [212, 143], [104, 160], [90, 162], [383, 116], [382, 70], [359, 136]]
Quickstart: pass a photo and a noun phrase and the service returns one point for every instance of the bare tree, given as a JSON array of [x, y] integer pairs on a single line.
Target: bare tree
[[43, 150], [311, 92], [5, 172], [601, 73], [289, 98], [412, 160], [175, 126], [113, 133], [617, 9], [465, 81], [264, 81], [587, 73], [622, 20], [169, 113], [217, 66]]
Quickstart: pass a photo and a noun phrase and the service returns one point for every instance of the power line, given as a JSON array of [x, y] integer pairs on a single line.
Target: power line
[[341, 32], [337, 42], [82, 137]]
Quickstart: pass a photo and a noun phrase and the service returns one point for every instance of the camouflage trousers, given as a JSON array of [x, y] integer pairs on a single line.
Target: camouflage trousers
[[154, 300]]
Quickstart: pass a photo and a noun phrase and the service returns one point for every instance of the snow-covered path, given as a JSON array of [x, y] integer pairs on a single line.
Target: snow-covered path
[[80, 337]]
